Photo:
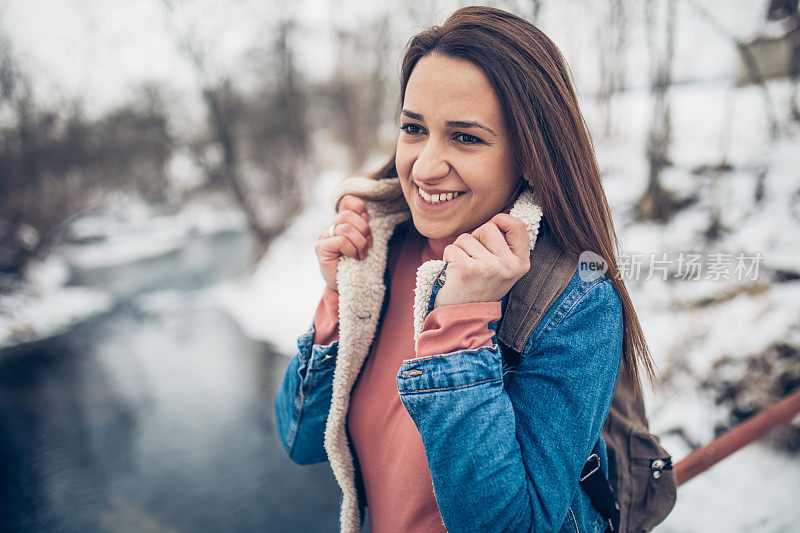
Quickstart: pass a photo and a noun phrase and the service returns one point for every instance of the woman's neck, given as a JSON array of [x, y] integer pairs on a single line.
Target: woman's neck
[[434, 248]]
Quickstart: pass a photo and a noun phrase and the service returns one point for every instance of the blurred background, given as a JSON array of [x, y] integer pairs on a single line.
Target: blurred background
[[167, 165]]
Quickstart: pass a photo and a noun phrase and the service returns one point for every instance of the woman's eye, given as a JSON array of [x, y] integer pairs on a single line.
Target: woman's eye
[[466, 138], [411, 129]]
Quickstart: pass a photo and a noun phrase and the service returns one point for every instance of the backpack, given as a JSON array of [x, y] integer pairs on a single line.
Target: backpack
[[640, 489]]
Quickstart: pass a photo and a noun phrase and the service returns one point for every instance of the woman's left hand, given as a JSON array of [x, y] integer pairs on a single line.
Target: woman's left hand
[[485, 264]]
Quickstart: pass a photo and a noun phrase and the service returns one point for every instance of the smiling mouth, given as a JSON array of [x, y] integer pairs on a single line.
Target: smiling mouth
[[434, 199]]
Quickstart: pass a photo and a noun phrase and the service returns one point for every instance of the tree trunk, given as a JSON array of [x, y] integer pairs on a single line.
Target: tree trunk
[[658, 203]]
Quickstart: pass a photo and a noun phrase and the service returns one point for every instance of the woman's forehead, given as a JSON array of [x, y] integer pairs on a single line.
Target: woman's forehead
[[443, 88]]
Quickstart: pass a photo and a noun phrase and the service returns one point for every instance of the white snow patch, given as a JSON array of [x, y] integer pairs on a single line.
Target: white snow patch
[[27, 317]]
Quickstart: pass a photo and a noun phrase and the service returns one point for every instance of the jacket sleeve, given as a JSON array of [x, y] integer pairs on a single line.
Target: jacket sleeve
[[509, 458], [304, 398]]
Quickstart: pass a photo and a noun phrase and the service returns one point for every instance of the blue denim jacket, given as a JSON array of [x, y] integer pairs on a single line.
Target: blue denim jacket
[[505, 447]]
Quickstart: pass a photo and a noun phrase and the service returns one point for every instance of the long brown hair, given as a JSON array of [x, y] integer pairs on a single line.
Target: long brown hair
[[550, 139]]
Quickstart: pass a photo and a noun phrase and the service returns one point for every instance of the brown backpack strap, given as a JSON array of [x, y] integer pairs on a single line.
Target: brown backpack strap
[[551, 270]]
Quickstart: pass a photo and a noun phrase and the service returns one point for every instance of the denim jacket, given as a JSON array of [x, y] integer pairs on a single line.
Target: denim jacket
[[505, 445]]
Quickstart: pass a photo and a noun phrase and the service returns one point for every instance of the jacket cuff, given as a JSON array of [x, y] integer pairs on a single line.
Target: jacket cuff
[[458, 327], [326, 318], [452, 371]]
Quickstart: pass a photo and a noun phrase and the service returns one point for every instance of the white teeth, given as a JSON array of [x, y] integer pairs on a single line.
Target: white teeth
[[438, 198]]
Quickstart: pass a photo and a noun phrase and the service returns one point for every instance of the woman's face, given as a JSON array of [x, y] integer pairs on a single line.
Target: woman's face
[[453, 143]]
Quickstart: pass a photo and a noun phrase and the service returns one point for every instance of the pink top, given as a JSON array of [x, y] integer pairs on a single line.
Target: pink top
[[389, 448]]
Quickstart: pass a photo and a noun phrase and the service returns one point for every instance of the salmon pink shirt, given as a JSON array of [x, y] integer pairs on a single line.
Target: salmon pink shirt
[[389, 448]]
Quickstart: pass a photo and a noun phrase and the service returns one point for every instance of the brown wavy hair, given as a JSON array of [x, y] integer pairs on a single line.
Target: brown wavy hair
[[550, 139]]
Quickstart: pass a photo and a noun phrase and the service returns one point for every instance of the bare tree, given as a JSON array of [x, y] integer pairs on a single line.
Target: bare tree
[[233, 130], [357, 93], [41, 183], [658, 203], [794, 97], [611, 37], [787, 12]]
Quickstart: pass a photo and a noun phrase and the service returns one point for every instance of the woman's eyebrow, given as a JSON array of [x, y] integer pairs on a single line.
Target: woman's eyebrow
[[468, 124], [411, 114], [450, 123]]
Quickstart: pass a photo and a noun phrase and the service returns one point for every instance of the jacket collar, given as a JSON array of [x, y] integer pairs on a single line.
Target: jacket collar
[[361, 294]]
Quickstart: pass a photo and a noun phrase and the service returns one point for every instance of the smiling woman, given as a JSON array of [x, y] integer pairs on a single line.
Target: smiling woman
[[453, 141], [441, 390]]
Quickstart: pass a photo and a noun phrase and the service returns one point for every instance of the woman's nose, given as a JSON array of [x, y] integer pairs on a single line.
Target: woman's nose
[[430, 163]]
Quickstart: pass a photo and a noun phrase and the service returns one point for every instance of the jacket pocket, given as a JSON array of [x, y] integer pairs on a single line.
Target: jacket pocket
[[652, 483]]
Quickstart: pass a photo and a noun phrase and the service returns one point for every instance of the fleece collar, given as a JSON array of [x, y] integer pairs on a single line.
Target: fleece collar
[[361, 294]]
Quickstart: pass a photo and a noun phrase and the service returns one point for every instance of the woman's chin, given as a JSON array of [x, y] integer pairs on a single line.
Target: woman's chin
[[432, 230]]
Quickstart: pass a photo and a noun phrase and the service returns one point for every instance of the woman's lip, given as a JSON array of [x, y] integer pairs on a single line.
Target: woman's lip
[[441, 206]]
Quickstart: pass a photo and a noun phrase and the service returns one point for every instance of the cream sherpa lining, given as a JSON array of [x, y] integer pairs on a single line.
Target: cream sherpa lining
[[427, 274], [360, 303]]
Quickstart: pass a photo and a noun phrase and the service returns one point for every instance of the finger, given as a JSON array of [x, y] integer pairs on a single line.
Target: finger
[[329, 248], [344, 246], [348, 219], [347, 240], [354, 236], [470, 244], [354, 204], [353, 219], [455, 254], [515, 233], [490, 236]]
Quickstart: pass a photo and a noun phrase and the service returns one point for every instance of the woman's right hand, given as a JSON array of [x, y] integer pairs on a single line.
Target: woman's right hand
[[352, 238]]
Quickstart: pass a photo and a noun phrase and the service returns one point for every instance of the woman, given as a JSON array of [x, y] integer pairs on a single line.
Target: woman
[[400, 382]]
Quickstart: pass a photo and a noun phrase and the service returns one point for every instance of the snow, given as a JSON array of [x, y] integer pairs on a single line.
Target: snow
[[754, 490], [45, 308], [689, 324], [129, 230]]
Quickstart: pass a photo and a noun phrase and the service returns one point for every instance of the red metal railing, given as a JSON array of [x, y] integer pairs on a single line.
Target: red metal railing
[[737, 437]]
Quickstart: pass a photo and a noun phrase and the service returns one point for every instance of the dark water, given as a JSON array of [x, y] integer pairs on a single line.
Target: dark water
[[153, 417]]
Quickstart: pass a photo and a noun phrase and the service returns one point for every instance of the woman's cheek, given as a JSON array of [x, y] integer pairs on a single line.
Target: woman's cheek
[[403, 159]]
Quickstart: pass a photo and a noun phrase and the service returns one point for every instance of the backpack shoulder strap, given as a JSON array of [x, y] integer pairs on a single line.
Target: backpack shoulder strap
[[551, 270]]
